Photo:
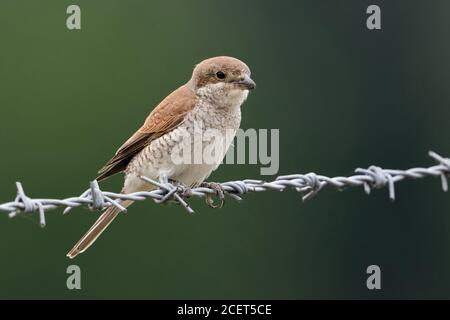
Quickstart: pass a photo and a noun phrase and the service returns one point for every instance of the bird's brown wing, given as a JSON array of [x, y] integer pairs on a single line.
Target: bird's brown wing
[[168, 115]]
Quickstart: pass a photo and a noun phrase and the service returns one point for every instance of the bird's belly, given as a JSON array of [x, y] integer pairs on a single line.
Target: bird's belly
[[187, 154], [187, 159], [193, 174], [188, 174]]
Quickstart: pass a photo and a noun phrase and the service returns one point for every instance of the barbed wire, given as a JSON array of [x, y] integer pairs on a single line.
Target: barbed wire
[[307, 184]]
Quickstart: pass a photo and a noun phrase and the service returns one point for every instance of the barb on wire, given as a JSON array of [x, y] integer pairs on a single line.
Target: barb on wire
[[306, 184]]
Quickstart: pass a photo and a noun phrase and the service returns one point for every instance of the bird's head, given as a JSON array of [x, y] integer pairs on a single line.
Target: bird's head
[[225, 80]]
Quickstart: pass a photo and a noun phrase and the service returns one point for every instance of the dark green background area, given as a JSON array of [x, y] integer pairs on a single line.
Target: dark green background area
[[342, 96]]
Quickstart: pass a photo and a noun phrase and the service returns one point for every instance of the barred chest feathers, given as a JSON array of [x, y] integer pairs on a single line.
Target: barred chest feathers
[[212, 125]]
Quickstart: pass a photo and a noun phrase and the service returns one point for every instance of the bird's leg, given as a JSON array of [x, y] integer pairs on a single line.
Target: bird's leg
[[185, 190], [163, 178], [220, 192]]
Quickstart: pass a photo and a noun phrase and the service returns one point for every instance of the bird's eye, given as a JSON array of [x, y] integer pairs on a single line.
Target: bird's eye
[[220, 75]]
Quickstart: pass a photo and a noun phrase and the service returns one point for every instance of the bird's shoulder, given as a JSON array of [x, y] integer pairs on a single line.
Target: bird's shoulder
[[168, 115], [171, 111]]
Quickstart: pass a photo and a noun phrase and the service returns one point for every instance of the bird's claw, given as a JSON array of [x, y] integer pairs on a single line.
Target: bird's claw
[[184, 191], [220, 192]]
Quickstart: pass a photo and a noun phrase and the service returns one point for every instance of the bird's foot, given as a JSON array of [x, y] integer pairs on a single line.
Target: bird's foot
[[220, 192], [184, 190]]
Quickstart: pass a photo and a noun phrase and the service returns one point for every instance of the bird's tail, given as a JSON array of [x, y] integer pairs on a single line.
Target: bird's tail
[[96, 230]]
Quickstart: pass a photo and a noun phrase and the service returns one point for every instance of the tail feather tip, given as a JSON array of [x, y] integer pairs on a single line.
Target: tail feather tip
[[72, 254]]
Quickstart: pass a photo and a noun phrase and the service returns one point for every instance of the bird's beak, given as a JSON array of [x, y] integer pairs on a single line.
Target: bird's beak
[[246, 83]]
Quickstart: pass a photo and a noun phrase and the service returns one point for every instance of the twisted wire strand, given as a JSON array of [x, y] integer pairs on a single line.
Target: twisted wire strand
[[307, 184]]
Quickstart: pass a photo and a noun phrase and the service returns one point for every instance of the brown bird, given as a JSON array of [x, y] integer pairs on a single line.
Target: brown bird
[[209, 102]]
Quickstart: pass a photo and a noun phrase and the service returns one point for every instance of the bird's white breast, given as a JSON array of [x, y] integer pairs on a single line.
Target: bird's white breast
[[157, 159]]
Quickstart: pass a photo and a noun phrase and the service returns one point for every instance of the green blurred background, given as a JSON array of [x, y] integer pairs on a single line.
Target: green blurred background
[[341, 95]]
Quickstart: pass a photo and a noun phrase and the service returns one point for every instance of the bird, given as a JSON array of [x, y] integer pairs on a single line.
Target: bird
[[210, 100]]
